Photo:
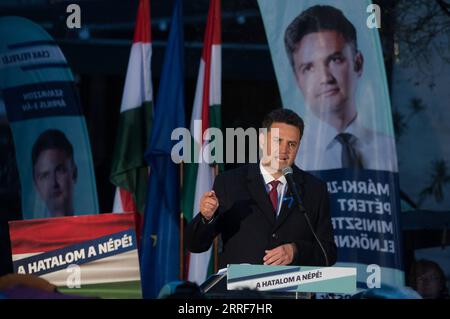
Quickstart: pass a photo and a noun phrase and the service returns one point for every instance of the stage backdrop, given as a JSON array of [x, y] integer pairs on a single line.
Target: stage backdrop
[[338, 85], [44, 112]]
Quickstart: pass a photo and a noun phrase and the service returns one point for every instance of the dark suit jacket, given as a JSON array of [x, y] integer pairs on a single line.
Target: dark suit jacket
[[248, 225]]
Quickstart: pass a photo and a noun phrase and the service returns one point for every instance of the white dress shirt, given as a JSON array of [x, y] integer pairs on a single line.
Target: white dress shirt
[[281, 188], [319, 150]]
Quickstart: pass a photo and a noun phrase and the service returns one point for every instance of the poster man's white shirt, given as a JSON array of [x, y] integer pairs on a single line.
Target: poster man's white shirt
[[376, 149]]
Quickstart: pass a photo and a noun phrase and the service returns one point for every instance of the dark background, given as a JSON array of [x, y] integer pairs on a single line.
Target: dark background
[[98, 54]]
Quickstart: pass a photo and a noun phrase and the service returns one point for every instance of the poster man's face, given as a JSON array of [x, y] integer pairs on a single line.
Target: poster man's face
[[327, 70], [281, 146], [54, 177]]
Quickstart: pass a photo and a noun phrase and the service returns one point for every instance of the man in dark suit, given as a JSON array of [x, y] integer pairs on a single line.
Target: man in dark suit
[[253, 210]]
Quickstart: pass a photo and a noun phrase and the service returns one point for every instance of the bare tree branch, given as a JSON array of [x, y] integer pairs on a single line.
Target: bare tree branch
[[422, 29], [444, 6]]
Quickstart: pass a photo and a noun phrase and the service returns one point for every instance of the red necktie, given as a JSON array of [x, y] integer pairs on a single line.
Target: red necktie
[[273, 194]]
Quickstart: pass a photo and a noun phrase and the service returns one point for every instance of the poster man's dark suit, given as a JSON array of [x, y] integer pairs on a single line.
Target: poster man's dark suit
[[249, 226]]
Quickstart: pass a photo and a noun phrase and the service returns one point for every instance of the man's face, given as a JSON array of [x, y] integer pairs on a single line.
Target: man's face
[[327, 69], [281, 146], [54, 177]]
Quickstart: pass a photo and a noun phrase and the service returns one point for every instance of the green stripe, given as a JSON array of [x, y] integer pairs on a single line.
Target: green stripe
[[129, 170], [122, 290], [191, 169], [215, 116]]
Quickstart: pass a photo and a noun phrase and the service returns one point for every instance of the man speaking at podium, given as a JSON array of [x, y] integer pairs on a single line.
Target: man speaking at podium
[[255, 212]]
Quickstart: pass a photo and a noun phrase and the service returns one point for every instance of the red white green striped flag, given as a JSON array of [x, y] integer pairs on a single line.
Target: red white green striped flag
[[199, 177], [129, 170]]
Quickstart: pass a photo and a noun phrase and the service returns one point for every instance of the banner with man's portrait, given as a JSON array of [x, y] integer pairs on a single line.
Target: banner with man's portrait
[[329, 65], [51, 141]]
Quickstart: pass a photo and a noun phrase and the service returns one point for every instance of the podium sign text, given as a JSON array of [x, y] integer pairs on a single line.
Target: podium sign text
[[292, 278]]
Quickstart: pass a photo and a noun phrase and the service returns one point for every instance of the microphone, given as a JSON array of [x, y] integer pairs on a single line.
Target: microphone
[[287, 172]]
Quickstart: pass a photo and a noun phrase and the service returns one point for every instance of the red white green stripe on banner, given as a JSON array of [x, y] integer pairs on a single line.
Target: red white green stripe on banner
[[199, 177], [93, 255], [129, 170]]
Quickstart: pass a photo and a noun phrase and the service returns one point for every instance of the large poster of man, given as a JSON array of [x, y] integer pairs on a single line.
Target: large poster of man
[[329, 66], [50, 135]]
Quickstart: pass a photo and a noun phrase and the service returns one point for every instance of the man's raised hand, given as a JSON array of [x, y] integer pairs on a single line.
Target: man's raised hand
[[209, 204]]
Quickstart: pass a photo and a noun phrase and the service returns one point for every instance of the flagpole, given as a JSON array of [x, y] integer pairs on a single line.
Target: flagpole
[[216, 240], [181, 227]]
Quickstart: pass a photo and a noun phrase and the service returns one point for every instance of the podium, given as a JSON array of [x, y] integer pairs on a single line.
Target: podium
[[215, 287], [278, 282]]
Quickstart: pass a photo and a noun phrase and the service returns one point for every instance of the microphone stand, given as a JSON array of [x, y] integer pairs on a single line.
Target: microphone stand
[[287, 172]]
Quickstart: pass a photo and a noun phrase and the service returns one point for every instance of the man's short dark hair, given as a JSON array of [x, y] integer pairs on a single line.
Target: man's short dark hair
[[284, 116], [51, 139], [316, 19]]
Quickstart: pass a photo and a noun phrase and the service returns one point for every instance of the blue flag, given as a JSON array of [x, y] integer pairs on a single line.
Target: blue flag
[[160, 238]]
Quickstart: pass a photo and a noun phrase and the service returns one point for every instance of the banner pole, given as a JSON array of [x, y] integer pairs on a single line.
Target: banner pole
[[216, 240], [181, 228]]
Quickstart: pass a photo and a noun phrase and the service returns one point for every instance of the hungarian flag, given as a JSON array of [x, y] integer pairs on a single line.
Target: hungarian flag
[[199, 177], [129, 170]]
